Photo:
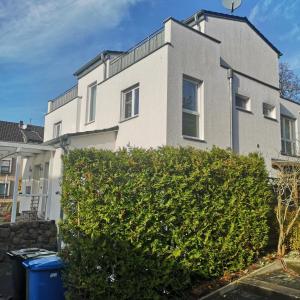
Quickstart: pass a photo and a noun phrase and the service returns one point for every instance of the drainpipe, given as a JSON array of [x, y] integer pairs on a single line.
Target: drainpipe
[[15, 193], [230, 79], [63, 144], [104, 60], [197, 21]]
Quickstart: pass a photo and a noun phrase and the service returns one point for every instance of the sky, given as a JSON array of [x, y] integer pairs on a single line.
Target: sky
[[43, 42]]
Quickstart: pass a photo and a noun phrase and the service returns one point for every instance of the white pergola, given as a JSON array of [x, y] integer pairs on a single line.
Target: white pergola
[[20, 150]]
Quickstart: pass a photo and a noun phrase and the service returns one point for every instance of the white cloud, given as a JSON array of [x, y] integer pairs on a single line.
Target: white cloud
[[293, 34], [270, 9], [294, 61], [32, 28]]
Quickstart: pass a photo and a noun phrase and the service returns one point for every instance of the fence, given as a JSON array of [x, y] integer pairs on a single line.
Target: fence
[[68, 96], [147, 46]]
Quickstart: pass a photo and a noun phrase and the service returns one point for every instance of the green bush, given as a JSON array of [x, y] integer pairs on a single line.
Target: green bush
[[146, 224], [294, 238]]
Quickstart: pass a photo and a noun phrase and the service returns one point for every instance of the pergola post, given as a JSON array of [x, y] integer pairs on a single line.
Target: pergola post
[[50, 181], [15, 193]]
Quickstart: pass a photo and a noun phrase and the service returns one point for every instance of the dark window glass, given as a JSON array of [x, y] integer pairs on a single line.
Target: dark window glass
[[190, 124], [189, 95]]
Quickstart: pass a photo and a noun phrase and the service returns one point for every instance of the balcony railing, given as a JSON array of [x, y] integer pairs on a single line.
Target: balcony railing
[[61, 100], [147, 46]]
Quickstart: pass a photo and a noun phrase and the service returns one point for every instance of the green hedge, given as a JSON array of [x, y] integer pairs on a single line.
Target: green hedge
[[294, 238], [146, 224]]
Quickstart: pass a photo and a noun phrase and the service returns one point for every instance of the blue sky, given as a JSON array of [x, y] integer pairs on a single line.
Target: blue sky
[[42, 42]]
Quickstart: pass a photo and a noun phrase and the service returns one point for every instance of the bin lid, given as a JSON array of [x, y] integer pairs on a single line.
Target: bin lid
[[30, 253], [45, 263]]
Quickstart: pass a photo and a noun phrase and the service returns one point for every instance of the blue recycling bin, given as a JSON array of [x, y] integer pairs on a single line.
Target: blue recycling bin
[[43, 279]]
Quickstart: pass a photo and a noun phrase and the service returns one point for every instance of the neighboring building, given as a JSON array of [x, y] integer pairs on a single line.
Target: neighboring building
[[210, 80], [14, 133]]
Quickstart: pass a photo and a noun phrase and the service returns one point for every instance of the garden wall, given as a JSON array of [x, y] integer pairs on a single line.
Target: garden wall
[[36, 234]]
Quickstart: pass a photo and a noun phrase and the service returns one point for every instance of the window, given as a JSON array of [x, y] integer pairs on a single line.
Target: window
[[288, 136], [5, 166], [190, 108], [28, 190], [130, 103], [242, 102], [269, 111], [92, 95], [57, 130], [4, 189]]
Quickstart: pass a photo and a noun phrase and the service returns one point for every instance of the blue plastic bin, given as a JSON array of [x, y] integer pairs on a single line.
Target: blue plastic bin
[[44, 278]]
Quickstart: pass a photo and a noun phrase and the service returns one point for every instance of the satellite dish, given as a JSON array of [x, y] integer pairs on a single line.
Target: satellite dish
[[232, 4]]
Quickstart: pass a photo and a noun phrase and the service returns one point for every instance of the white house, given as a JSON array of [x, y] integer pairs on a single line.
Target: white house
[[209, 80]]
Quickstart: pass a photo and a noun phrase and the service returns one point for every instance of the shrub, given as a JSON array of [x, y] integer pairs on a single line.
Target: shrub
[[294, 238], [146, 224]]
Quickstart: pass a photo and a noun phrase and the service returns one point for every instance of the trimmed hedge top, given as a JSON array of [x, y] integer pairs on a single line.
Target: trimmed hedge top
[[146, 224]]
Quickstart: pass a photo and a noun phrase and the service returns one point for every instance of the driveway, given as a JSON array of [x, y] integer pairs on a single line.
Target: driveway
[[267, 283]]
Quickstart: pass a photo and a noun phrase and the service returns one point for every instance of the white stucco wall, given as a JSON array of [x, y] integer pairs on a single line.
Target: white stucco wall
[[105, 141], [148, 128], [252, 131], [198, 57], [67, 115], [95, 76], [243, 49]]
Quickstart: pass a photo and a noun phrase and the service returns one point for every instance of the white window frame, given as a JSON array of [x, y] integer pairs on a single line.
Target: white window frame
[[245, 98], [271, 108], [9, 160], [196, 112], [284, 140], [133, 99], [6, 188], [91, 117], [55, 126]]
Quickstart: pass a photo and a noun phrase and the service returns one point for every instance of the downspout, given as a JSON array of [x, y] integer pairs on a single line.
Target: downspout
[[231, 136], [197, 21], [63, 143], [104, 60]]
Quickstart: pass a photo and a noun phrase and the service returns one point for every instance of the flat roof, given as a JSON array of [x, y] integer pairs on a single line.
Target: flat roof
[[65, 136]]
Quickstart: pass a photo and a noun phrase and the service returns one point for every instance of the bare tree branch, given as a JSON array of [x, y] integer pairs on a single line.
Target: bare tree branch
[[289, 82]]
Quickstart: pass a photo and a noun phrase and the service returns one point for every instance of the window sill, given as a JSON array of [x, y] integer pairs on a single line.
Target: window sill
[[271, 119], [290, 155], [124, 120], [90, 122], [191, 138], [244, 110]]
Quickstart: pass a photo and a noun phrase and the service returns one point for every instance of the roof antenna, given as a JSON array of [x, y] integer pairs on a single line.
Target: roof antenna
[[232, 4]]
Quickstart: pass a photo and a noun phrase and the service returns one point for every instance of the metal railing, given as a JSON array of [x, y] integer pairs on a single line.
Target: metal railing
[[142, 49], [66, 97]]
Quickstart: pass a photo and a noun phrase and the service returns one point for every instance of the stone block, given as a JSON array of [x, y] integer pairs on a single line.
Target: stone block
[[4, 232]]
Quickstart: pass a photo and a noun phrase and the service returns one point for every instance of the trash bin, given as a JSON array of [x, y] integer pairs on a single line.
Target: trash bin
[[44, 278], [18, 270]]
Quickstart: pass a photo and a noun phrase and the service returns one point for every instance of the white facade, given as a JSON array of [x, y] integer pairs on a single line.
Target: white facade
[[223, 57]]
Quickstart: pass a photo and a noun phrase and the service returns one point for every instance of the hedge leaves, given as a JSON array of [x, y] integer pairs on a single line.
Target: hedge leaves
[[145, 224]]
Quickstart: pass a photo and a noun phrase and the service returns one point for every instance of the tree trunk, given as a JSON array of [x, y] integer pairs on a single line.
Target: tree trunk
[[281, 245]]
